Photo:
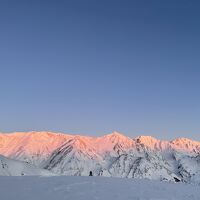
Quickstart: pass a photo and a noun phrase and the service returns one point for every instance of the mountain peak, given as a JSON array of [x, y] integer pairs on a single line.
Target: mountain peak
[[116, 137], [117, 134], [184, 140], [185, 144], [146, 139], [152, 143]]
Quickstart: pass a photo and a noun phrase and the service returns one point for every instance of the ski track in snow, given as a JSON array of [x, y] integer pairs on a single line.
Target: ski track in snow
[[93, 188]]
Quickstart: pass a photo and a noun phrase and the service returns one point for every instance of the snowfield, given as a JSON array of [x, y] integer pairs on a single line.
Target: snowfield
[[93, 188]]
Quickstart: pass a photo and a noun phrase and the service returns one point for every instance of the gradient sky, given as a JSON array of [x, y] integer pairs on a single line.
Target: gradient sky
[[91, 67]]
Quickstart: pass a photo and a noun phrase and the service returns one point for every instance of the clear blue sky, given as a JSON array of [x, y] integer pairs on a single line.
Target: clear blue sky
[[91, 67]]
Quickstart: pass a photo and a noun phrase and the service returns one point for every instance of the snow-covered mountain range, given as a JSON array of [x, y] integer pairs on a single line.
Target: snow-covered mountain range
[[111, 155]]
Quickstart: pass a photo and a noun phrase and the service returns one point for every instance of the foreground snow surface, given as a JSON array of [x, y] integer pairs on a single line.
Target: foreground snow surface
[[89, 188]]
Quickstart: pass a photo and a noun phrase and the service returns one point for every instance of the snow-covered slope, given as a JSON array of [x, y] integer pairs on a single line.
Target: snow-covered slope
[[94, 188], [111, 155], [9, 167], [75, 157]]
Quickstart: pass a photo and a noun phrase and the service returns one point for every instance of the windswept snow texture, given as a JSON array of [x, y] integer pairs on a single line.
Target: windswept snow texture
[[112, 155], [93, 188]]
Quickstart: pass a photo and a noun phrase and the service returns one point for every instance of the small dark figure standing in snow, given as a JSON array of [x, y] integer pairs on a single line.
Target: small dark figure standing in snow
[[90, 174], [101, 173]]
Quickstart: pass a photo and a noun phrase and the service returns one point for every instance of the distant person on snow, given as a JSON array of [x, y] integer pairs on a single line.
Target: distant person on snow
[[101, 173], [90, 174]]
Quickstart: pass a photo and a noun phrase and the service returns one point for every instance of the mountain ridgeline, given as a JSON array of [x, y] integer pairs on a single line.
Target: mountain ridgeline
[[112, 155]]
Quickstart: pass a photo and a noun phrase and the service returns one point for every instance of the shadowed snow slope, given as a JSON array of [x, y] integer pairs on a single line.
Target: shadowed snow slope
[[9, 167], [112, 155], [86, 188]]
